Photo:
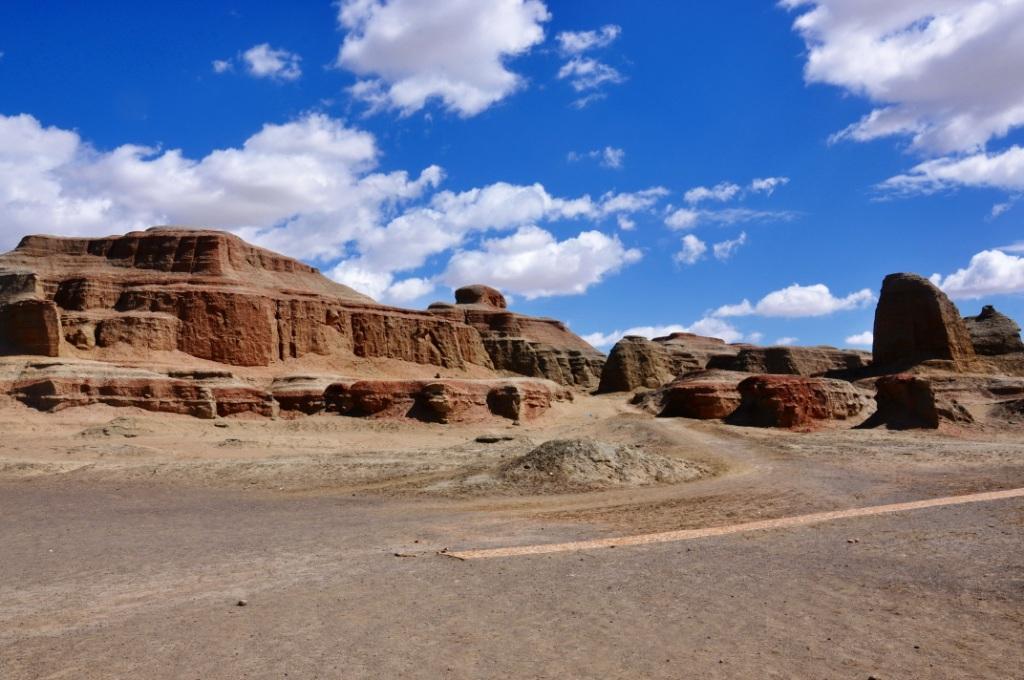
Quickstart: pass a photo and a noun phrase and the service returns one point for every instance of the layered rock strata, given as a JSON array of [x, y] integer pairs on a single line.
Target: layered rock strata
[[532, 346], [798, 402]]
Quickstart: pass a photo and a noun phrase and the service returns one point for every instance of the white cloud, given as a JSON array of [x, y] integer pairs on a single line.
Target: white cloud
[[612, 203], [709, 327], [767, 185], [263, 61], [725, 249], [798, 301], [944, 72], [585, 73], [609, 156], [686, 218], [308, 188], [786, 340], [454, 50], [692, 250], [865, 339], [1017, 247], [1000, 208], [625, 223], [723, 191], [577, 42], [683, 218], [990, 272], [1004, 170], [222, 65], [532, 262]]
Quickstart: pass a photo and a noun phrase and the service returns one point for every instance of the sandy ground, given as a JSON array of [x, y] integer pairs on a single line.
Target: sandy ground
[[127, 539]]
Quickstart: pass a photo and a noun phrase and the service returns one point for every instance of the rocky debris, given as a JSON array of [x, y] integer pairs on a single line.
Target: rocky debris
[[907, 400], [805, 361], [479, 294], [304, 393], [531, 346], [30, 327], [797, 401], [128, 428], [636, 362], [444, 401], [583, 464], [213, 296], [917, 322], [993, 333]]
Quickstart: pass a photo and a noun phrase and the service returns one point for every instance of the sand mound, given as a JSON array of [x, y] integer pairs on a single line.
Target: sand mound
[[583, 464]]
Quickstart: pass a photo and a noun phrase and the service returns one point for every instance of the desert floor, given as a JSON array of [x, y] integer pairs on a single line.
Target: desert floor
[[127, 540]]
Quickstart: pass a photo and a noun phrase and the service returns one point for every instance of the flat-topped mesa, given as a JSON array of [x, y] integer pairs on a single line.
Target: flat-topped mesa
[[917, 322], [210, 295], [528, 345]]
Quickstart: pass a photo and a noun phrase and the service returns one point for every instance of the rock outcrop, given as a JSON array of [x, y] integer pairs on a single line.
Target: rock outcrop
[[692, 352], [993, 333], [30, 327], [210, 295], [917, 322], [805, 361], [636, 362], [797, 402], [930, 401], [444, 401], [531, 346], [703, 395]]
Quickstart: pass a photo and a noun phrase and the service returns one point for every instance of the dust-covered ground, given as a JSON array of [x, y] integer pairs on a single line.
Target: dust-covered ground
[[127, 540]]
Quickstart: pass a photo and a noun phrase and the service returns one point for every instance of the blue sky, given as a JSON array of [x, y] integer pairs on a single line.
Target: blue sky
[[620, 166]]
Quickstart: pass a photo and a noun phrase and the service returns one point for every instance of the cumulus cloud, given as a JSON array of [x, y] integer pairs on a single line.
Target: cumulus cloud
[[309, 188], [608, 157], [798, 301], [707, 326], [532, 262], [410, 51], [786, 340], [577, 42], [865, 339], [222, 65], [990, 272], [725, 249], [683, 218], [941, 71], [263, 61], [692, 250]]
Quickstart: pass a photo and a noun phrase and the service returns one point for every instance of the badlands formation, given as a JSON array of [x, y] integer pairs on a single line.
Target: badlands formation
[[191, 423], [200, 323]]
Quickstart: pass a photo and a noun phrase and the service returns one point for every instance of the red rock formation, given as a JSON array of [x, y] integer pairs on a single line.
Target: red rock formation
[[54, 386], [480, 294], [30, 327], [796, 401], [700, 399], [916, 322], [443, 401], [210, 295]]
